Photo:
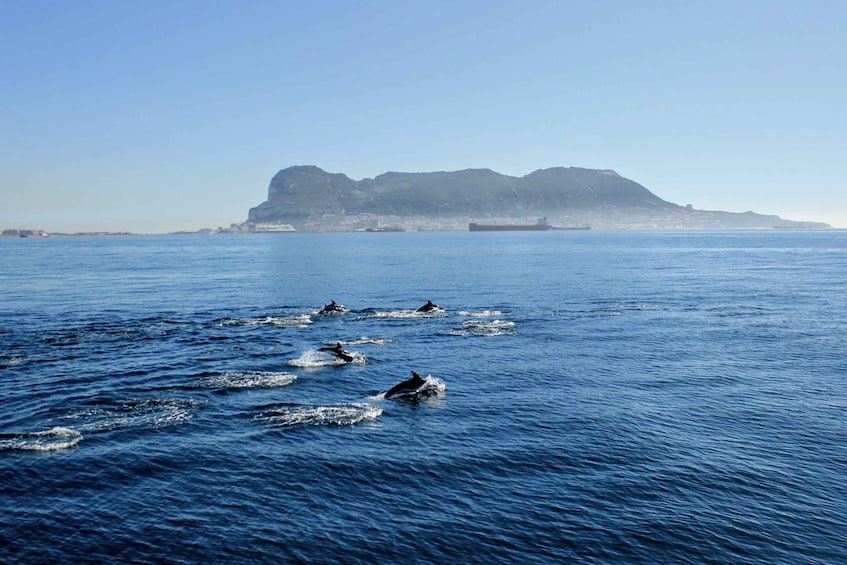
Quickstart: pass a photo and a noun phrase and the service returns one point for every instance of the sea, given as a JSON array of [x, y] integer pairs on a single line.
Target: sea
[[595, 397]]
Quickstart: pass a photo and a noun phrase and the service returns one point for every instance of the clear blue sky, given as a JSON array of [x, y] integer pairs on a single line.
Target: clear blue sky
[[155, 116]]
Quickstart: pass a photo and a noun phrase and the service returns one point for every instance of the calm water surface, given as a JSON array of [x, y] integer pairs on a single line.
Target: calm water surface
[[610, 397]]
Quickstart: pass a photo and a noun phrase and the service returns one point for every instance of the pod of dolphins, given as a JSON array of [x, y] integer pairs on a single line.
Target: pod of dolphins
[[410, 388]]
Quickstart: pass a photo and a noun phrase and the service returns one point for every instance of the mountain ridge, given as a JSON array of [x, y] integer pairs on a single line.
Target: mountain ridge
[[310, 198]]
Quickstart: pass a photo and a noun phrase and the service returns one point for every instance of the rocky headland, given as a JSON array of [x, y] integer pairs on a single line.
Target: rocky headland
[[307, 198]]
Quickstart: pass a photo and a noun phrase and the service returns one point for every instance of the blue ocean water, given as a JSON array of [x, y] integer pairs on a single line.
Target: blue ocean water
[[609, 397]]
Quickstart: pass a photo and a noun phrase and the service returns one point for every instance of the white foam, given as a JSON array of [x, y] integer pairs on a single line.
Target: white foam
[[47, 440], [433, 384]]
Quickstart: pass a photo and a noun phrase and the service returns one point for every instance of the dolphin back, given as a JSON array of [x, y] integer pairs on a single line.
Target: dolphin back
[[410, 388]]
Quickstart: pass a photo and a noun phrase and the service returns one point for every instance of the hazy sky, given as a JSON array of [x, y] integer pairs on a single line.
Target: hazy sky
[[156, 116]]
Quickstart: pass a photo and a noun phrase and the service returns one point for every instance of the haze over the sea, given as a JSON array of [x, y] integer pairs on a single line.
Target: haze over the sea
[[162, 116]]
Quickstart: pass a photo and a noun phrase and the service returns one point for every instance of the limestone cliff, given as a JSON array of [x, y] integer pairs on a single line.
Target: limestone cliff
[[302, 192]]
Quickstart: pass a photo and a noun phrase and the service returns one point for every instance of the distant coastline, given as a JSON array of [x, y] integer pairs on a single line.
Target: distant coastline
[[38, 233], [246, 230], [305, 198]]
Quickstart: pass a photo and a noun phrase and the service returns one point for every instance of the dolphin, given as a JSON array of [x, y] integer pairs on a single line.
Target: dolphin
[[428, 307], [408, 388], [332, 308], [338, 351]]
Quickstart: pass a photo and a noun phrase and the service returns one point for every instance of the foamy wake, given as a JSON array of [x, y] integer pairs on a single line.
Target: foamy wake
[[481, 328], [481, 313], [366, 340], [136, 414], [296, 321], [407, 314], [282, 415], [47, 440], [248, 379], [12, 360], [312, 359]]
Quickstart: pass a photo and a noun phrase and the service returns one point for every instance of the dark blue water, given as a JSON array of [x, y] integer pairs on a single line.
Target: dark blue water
[[610, 397]]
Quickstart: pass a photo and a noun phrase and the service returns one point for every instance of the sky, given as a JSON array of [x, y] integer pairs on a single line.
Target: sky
[[160, 116]]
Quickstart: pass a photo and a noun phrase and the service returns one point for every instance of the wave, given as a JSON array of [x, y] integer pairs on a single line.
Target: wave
[[603, 308], [312, 359], [481, 328], [738, 311], [286, 414], [47, 440], [150, 328], [247, 379]]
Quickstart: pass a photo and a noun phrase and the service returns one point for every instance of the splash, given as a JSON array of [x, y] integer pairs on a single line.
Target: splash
[[284, 415], [47, 440], [312, 359]]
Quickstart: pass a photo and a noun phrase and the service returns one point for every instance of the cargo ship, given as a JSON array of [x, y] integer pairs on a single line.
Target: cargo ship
[[540, 225], [384, 228]]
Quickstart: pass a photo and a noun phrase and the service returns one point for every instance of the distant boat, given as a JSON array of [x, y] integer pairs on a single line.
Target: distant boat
[[540, 225], [574, 228]]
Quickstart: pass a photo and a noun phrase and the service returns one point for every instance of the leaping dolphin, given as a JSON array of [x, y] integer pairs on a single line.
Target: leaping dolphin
[[428, 307], [408, 388], [332, 308], [338, 351]]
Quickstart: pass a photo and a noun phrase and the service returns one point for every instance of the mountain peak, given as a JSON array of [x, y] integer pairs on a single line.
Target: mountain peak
[[302, 192]]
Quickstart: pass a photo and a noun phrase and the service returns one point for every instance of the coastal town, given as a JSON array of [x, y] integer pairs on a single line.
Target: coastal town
[[608, 220]]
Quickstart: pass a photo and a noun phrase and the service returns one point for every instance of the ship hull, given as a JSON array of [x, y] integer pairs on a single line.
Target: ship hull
[[509, 227]]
